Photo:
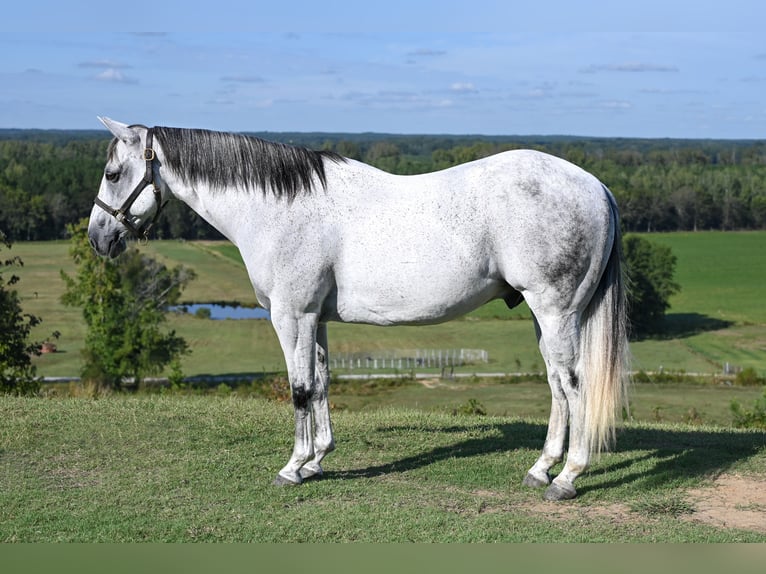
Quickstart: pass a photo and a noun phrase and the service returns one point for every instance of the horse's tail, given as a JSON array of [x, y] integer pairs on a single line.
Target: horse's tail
[[604, 351]]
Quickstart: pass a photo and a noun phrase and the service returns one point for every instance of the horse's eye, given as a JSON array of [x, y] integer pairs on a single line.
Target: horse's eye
[[112, 176]]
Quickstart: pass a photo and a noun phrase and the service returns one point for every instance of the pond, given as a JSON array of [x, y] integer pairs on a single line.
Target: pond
[[217, 311]]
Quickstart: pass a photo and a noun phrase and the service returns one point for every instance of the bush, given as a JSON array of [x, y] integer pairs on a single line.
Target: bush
[[472, 407], [650, 268], [203, 313], [751, 419], [17, 374], [124, 304], [748, 378]]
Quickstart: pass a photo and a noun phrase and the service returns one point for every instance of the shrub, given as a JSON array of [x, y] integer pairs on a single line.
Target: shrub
[[650, 268], [17, 374], [749, 377], [752, 419], [203, 313], [472, 407], [124, 303]]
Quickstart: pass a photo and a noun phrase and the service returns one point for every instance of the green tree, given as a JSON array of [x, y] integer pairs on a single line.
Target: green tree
[[650, 270], [124, 303], [17, 374], [384, 155]]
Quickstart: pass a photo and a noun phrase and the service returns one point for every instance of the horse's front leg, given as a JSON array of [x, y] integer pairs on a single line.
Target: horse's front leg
[[324, 442], [297, 336]]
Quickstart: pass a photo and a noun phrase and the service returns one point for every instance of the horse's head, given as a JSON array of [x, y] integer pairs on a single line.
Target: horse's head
[[129, 198]]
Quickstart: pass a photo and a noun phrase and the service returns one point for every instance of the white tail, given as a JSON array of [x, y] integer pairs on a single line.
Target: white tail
[[604, 351]]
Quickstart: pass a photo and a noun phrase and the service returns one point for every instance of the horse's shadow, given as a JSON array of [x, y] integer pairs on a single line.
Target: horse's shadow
[[678, 454]]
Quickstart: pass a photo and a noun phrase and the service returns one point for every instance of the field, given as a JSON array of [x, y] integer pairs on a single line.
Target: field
[[415, 462], [717, 318], [153, 468]]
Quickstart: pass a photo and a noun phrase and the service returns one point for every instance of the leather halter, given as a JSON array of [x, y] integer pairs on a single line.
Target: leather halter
[[123, 214]]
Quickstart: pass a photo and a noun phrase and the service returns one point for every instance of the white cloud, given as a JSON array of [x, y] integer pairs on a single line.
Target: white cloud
[[103, 65], [243, 79], [115, 75], [616, 105], [111, 71], [426, 52], [632, 67], [463, 88]]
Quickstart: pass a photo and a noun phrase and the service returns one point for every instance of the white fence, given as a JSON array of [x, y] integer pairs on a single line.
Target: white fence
[[409, 359]]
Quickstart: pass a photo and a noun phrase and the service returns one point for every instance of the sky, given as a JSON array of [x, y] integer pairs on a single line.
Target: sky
[[657, 69]]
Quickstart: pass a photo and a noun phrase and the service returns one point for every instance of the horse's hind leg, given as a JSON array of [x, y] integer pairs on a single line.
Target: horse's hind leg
[[560, 346], [324, 442], [553, 451]]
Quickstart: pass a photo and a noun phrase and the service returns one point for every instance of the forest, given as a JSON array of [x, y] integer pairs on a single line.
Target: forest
[[48, 178]]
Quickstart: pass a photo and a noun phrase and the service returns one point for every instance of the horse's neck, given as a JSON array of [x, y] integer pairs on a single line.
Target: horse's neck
[[226, 210]]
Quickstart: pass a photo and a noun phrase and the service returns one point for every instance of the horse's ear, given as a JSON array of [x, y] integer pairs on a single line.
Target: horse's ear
[[121, 131]]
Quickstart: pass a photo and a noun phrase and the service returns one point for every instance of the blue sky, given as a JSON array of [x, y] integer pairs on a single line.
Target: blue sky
[[591, 68]]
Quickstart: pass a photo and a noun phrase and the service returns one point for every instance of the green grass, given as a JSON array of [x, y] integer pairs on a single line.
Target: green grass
[[719, 311], [677, 403], [199, 468], [186, 469], [722, 275]]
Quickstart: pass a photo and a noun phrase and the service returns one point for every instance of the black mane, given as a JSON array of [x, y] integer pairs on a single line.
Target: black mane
[[223, 159]]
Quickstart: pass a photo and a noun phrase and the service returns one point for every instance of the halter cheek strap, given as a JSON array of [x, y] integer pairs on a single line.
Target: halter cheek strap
[[123, 213]]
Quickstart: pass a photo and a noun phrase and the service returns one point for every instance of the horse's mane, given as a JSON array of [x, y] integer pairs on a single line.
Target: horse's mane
[[223, 159]]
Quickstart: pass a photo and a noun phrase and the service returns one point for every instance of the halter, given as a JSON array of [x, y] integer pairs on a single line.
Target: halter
[[123, 214]]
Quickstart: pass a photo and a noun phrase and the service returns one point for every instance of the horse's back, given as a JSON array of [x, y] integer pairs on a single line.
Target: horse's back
[[429, 247]]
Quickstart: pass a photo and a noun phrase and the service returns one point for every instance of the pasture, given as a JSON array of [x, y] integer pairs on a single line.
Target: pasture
[[410, 466], [717, 318], [199, 469]]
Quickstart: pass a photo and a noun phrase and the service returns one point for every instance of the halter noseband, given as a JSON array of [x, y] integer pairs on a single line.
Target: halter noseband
[[123, 213]]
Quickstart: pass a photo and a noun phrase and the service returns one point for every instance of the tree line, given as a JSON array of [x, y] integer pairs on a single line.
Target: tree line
[[48, 179]]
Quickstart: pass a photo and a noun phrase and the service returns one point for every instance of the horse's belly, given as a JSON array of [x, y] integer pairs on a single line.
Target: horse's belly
[[418, 300]]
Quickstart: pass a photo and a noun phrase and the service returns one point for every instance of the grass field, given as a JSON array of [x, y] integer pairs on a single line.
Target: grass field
[[199, 469], [184, 468], [717, 318], [722, 275], [690, 403]]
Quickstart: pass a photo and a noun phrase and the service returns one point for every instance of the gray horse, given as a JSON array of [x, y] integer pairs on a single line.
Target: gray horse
[[325, 238]]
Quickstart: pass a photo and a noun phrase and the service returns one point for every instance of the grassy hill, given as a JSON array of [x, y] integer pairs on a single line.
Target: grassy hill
[[199, 469]]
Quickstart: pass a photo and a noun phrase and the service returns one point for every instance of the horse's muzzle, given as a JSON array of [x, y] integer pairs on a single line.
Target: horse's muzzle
[[108, 246]]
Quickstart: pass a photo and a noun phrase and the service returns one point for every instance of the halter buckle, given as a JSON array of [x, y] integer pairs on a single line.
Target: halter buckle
[[149, 154]]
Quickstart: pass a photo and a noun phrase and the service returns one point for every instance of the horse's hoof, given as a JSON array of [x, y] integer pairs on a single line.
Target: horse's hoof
[[535, 482], [310, 471], [557, 492], [282, 480]]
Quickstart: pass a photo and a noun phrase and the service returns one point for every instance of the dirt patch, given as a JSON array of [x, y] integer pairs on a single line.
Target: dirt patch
[[613, 513], [430, 383], [436, 383], [732, 501]]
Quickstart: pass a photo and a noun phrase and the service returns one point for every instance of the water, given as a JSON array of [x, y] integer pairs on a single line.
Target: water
[[218, 312]]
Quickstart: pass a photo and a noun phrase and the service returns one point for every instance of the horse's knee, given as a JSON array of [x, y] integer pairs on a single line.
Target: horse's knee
[[302, 396]]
